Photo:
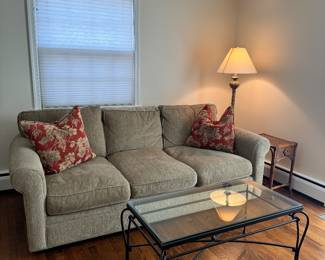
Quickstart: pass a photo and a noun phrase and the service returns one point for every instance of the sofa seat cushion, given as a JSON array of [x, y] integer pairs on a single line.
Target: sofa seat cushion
[[93, 184], [152, 171], [211, 166]]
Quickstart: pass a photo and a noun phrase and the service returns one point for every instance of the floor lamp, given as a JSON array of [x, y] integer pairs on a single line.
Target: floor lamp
[[237, 61]]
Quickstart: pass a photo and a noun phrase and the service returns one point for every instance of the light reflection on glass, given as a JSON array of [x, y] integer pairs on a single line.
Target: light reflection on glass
[[230, 203]]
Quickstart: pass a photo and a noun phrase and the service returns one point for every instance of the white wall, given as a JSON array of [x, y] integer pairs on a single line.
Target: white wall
[[181, 43], [286, 42], [15, 83]]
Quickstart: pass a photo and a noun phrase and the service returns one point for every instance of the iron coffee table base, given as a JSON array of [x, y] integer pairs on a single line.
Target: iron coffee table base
[[209, 239]]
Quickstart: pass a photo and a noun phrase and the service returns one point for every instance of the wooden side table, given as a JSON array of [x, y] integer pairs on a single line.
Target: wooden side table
[[281, 149]]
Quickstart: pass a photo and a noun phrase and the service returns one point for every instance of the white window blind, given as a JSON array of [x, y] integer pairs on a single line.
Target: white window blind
[[85, 52]]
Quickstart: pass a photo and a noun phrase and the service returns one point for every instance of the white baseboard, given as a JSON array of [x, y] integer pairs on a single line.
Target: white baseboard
[[4, 171], [5, 183], [300, 184]]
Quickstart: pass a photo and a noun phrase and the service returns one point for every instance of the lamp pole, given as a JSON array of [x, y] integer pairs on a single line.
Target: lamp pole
[[234, 84], [237, 61]]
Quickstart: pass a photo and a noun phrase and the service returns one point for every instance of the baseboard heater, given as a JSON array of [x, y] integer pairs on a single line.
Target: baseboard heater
[[300, 183], [5, 180]]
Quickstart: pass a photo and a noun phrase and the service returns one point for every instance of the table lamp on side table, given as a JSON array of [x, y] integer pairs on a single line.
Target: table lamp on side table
[[237, 61]]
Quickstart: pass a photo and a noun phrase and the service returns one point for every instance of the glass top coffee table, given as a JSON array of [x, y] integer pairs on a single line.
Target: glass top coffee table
[[202, 214]]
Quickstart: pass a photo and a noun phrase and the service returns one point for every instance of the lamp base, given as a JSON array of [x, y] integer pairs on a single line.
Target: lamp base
[[234, 84]]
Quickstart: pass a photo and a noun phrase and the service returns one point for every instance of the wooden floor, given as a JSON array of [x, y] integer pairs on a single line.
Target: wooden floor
[[13, 243]]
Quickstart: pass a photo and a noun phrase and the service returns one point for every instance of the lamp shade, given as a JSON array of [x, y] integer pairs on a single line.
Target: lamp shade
[[237, 61]]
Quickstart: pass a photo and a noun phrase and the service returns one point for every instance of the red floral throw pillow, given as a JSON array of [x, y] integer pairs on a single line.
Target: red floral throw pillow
[[60, 145], [216, 135]]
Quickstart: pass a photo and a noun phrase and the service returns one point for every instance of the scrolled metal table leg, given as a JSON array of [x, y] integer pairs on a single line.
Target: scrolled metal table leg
[[244, 230], [126, 234], [163, 255], [300, 240], [297, 234]]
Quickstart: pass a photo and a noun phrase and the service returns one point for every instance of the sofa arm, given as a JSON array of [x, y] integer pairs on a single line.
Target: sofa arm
[[27, 177], [254, 148]]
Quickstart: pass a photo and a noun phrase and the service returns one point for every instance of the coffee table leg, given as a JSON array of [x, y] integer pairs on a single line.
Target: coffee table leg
[[299, 240], [244, 230], [126, 234], [163, 255]]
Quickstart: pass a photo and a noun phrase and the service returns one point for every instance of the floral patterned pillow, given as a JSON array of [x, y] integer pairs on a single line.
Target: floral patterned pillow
[[209, 134], [60, 145]]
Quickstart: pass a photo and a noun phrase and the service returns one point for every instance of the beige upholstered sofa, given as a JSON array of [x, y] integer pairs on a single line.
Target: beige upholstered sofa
[[140, 152]]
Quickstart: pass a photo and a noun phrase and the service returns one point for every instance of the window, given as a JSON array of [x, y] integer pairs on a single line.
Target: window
[[83, 52]]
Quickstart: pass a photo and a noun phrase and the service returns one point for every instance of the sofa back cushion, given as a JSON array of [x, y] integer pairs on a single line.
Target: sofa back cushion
[[128, 128], [177, 122], [92, 118]]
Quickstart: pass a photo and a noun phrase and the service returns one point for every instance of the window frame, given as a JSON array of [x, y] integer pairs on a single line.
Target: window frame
[[34, 61]]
